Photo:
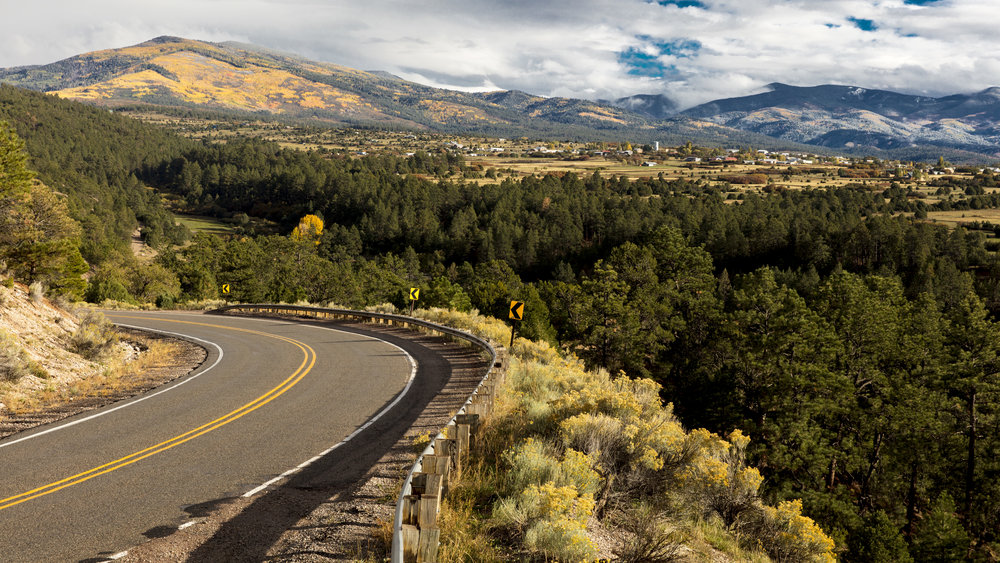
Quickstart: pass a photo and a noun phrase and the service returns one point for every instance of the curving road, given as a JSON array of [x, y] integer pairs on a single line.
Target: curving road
[[271, 395]]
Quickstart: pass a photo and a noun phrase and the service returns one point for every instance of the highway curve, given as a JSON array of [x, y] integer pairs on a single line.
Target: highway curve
[[271, 395]]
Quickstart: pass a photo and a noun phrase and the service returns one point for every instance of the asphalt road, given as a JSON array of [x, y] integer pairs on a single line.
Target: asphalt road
[[271, 395]]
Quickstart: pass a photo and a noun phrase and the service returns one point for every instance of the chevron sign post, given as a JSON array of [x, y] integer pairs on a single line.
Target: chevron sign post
[[414, 295], [516, 314]]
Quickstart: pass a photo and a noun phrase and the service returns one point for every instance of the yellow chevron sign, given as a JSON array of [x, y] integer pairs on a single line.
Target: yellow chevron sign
[[225, 289], [517, 310], [414, 293]]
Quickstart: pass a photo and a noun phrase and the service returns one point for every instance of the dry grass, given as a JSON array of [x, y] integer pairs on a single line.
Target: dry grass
[[15, 362], [120, 376], [958, 217]]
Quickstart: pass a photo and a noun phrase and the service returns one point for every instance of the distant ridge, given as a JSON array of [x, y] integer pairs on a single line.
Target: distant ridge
[[848, 116], [173, 71], [238, 78]]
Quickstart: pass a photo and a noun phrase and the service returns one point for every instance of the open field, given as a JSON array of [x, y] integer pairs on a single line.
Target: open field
[[198, 224], [955, 218]]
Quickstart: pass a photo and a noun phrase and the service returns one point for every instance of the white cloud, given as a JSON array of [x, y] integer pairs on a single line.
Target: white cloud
[[558, 48]]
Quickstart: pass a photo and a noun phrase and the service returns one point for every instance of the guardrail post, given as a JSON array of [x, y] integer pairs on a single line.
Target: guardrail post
[[463, 433], [428, 548], [410, 537], [467, 425]]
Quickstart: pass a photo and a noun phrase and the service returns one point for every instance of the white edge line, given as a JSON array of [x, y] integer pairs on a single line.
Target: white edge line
[[117, 556], [360, 429], [134, 401]]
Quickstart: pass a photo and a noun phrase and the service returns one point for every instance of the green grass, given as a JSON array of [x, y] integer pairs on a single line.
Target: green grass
[[200, 224]]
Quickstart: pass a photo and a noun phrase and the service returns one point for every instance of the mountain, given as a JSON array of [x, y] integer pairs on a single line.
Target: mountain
[[655, 106], [241, 79], [847, 117], [237, 78], [171, 71]]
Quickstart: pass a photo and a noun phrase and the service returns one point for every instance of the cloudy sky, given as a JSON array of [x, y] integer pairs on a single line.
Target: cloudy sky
[[691, 50]]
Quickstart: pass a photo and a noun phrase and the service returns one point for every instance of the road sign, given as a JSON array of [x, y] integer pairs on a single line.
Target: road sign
[[414, 293], [225, 289], [517, 310]]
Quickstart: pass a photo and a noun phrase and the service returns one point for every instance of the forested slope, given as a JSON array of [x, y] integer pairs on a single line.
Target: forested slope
[[90, 155]]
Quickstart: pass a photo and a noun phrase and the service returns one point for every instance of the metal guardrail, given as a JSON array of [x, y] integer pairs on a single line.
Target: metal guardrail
[[396, 320]]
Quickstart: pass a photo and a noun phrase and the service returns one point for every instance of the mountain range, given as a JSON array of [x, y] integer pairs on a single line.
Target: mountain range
[[237, 78], [847, 116], [240, 78]]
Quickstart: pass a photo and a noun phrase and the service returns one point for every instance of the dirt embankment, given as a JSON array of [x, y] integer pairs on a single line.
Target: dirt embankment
[[48, 371]]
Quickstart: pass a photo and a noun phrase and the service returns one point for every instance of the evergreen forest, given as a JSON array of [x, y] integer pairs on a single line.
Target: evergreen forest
[[855, 343]]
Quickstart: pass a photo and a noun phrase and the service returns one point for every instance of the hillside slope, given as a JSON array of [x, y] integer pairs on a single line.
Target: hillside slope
[[54, 363], [247, 79], [92, 156]]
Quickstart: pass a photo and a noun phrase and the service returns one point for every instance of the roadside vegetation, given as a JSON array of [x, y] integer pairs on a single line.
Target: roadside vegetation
[[569, 450]]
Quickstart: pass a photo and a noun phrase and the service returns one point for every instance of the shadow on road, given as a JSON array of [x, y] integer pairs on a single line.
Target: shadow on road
[[251, 534]]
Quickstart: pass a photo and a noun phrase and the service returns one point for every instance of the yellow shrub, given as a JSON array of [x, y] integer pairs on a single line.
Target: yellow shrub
[[787, 535], [562, 539]]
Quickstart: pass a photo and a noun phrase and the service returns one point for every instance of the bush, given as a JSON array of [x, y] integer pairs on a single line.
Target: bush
[[646, 537], [563, 539], [95, 336], [36, 292], [15, 362], [100, 291], [786, 535], [165, 302]]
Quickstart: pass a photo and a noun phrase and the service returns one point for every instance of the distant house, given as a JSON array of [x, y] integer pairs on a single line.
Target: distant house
[[692, 159], [649, 164]]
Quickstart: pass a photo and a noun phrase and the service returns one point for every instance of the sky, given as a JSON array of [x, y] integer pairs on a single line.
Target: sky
[[692, 51]]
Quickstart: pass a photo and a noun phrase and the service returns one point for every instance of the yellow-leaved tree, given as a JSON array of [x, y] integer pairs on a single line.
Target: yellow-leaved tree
[[309, 229]]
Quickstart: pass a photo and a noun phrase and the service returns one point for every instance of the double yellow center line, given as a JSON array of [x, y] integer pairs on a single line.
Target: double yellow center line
[[307, 364]]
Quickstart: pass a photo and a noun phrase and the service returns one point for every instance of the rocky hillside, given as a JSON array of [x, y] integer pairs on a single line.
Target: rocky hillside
[[35, 347], [54, 364]]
